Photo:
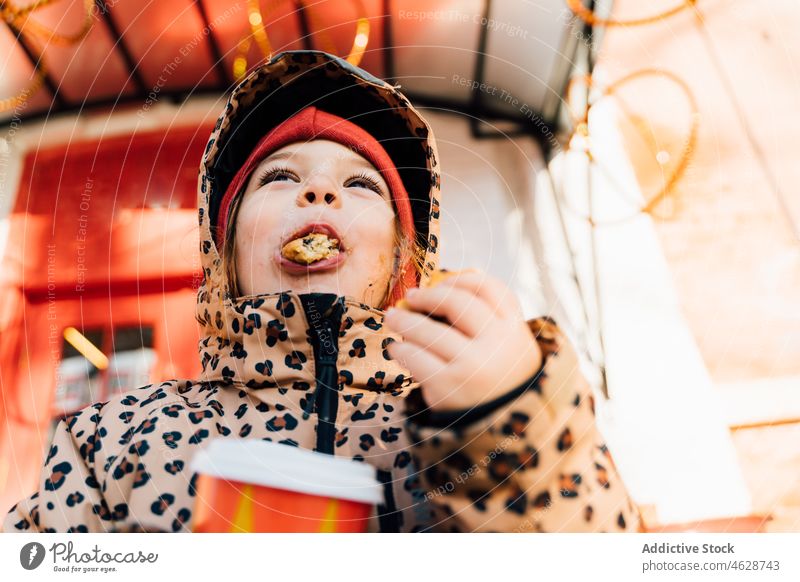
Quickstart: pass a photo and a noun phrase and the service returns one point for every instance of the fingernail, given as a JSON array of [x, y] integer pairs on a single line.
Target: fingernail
[[412, 293]]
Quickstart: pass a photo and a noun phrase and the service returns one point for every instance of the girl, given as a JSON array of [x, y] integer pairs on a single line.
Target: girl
[[318, 210]]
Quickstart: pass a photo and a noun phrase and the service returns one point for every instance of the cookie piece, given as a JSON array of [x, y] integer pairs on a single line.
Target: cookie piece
[[436, 278], [311, 248]]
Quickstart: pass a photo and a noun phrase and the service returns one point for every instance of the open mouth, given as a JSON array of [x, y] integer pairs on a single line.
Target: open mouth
[[314, 247]]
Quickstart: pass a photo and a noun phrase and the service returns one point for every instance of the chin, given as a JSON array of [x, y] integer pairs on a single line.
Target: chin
[[329, 283], [338, 282]]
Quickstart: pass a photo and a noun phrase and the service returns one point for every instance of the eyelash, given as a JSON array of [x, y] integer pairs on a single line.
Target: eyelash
[[272, 172], [369, 180]]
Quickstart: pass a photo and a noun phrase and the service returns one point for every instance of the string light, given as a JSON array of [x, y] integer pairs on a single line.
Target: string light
[[588, 16], [86, 348], [359, 42], [258, 32], [9, 7], [15, 102], [49, 35], [20, 21], [579, 140]]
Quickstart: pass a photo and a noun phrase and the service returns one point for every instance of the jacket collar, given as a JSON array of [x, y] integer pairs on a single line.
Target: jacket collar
[[270, 344]]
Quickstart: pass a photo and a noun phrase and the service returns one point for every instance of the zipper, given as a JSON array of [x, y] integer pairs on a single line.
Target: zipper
[[327, 396], [324, 313], [389, 519]]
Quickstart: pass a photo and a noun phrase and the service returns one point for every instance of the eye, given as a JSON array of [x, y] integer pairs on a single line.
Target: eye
[[273, 174], [366, 181]]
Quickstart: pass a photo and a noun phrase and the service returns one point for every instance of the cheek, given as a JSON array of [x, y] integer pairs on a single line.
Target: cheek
[[257, 224], [375, 226]]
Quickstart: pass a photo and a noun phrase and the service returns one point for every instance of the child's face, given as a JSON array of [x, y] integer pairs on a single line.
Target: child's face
[[316, 181]]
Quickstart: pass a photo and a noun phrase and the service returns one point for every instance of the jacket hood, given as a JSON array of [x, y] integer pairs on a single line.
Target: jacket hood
[[271, 93]]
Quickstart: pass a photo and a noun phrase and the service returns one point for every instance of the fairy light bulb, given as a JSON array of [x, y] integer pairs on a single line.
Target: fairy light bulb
[[239, 67]]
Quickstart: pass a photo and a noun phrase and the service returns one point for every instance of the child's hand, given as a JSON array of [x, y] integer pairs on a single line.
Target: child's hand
[[487, 351]]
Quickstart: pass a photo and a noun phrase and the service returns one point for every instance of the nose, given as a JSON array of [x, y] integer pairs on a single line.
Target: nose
[[319, 189]]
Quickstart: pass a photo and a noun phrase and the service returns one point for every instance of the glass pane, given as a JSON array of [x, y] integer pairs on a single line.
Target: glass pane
[[133, 359], [78, 380], [132, 338]]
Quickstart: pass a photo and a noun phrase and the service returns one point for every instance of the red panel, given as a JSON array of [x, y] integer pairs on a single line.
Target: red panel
[[88, 248], [121, 209], [168, 41]]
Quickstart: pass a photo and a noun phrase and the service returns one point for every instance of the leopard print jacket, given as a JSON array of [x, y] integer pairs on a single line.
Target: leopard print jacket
[[531, 461]]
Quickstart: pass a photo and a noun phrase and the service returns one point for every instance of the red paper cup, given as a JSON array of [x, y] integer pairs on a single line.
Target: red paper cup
[[249, 485]]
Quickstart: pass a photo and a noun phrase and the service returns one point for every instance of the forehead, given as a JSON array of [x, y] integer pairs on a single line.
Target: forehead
[[319, 149]]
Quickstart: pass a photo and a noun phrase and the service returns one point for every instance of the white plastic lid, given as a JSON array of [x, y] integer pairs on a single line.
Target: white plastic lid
[[288, 467]]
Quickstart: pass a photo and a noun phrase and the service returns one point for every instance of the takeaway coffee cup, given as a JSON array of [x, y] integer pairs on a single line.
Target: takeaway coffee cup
[[250, 485]]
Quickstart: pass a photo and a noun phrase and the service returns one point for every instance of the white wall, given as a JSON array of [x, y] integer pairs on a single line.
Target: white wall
[[487, 191]]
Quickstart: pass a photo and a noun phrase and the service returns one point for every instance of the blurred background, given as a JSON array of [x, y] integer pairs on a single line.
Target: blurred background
[[624, 166]]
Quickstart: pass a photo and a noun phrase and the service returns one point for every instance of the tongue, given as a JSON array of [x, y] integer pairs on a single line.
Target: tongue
[[310, 248]]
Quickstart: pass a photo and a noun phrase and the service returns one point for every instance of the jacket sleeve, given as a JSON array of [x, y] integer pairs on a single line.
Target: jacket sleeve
[[68, 498], [532, 460]]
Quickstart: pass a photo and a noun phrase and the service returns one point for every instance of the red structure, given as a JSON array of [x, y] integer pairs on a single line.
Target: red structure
[[102, 239]]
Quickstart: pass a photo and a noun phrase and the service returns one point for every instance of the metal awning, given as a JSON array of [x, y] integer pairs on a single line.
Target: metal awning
[[501, 60]]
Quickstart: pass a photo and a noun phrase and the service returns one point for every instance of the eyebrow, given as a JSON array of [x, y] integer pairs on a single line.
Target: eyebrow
[[281, 155], [357, 160], [364, 163]]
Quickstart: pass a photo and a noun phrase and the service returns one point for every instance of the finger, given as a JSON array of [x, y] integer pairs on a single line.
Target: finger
[[441, 339], [466, 311], [493, 291], [422, 364]]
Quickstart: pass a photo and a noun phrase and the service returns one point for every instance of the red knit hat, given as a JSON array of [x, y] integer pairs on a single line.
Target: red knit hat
[[312, 123]]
